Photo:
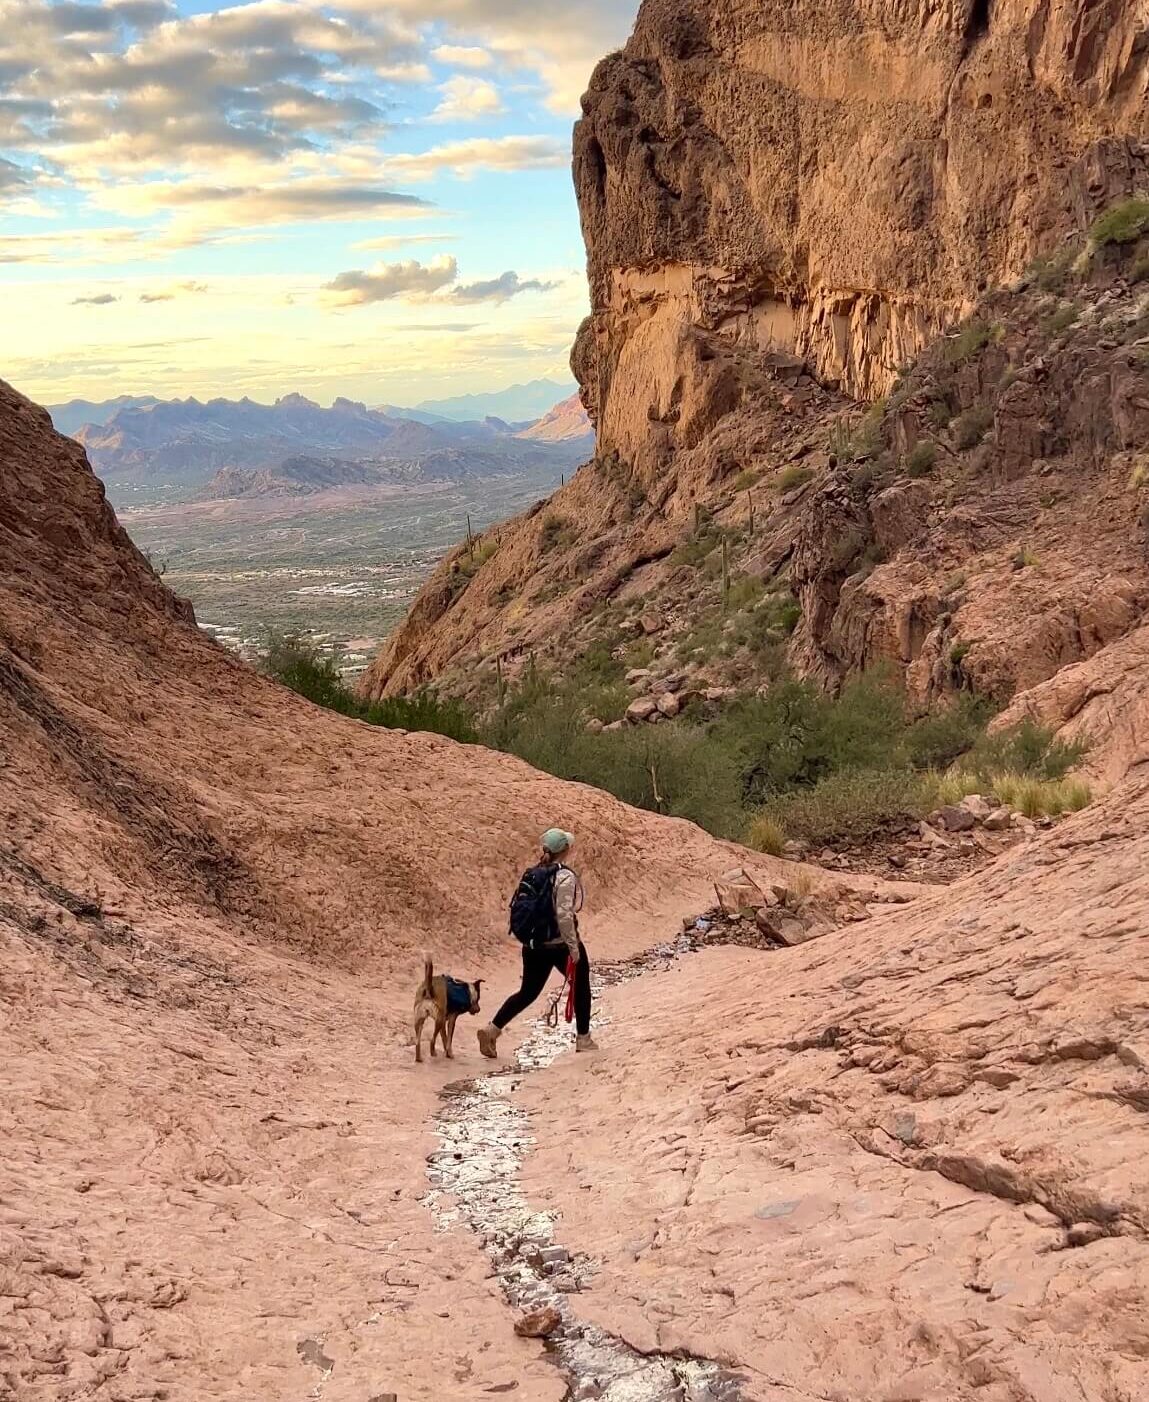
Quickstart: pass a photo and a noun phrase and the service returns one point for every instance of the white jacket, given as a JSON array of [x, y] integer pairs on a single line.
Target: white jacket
[[568, 903]]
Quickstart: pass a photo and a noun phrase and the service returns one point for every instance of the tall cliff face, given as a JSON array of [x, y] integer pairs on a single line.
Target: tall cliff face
[[788, 208], [832, 179]]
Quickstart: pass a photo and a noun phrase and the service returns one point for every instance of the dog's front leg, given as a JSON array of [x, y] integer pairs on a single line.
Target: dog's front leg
[[449, 1044]]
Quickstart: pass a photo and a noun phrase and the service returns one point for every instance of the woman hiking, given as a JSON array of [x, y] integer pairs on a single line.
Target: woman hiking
[[544, 919]]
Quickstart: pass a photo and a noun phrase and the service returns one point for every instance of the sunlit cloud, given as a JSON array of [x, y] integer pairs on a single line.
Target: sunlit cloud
[[414, 281], [390, 280], [392, 241], [463, 56], [466, 99], [482, 153]]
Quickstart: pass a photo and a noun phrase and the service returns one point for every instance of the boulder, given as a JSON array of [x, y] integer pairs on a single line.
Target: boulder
[[638, 676], [669, 704], [978, 807], [999, 820], [539, 1324], [595, 726], [614, 726], [953, 819], [651, 623], [641, 710]]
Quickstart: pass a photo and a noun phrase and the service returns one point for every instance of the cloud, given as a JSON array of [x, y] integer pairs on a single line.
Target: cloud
[[467, 158], [199, 212], [499, 289], [412, 281], [389, 241], [99, 245], [387, 281], [12, 176], [463, 56], [562, 48], [102, 299], [120, 87], [170, 294], [467, 100]]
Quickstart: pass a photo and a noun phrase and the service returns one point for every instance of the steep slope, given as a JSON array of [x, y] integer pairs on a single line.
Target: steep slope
[[565, 421], [212, 902], [785, 208], [913, 1167]]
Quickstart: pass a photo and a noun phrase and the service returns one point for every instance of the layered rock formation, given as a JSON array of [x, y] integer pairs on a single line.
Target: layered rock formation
[[832, 181], [783, 205]]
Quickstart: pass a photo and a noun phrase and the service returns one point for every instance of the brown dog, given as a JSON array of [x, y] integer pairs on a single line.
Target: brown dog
[[444, 999]]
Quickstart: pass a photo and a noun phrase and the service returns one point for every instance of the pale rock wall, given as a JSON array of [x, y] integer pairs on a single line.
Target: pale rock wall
[[837, 181]]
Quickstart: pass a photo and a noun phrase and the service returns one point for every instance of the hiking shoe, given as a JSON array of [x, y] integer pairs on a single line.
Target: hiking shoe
[[489, 1042], [586, 1043]]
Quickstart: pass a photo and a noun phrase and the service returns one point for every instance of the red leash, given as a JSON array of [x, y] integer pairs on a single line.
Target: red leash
[[570, 989]]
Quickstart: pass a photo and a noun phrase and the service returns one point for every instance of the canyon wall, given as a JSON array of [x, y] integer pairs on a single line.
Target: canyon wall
[[835, 180]]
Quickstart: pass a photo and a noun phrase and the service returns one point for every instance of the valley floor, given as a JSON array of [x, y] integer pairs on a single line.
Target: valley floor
[[905, 1162]]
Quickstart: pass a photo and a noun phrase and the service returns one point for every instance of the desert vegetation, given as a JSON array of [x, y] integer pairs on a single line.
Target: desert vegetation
[[790, 765]]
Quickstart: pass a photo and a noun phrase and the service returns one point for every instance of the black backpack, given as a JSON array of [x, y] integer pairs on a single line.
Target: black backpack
[[533, 920]]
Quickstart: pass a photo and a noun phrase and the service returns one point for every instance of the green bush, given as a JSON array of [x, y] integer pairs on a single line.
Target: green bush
[[921, 459], [970, 340], [297, 663], [853, 805], [1061, 320], [1124, 223], [791, 478], [1028, 749], [971, 427]]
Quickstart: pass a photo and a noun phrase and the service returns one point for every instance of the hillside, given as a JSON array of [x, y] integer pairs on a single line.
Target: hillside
[[212, 895], [726, 352], [212, 902], [565, 421]]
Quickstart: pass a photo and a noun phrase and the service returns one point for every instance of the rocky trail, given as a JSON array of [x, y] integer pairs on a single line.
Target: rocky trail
[[475, 1176]]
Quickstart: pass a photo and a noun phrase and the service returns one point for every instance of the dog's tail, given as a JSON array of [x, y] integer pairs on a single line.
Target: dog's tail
[[427, 991]]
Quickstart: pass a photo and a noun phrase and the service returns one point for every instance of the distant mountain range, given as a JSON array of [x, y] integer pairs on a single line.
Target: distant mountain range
[[243, 448], [521, 404]]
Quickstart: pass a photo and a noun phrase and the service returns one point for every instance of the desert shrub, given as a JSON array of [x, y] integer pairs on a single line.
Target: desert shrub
[[970, 340], [921, 459], [744, 592], [852, 805], [1027, 749], [1024, 559], [424, 711], [790, 478], [767, 835], [1040, 798], [1124, 223], [298, 664], [1061, 320], [747, 479], [1051, 274], [941, 415], [972, 426], [1139, 272], [936, 741], [1139, 476], [557, 533]]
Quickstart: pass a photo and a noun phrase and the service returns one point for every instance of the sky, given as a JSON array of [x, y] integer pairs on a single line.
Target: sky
[[370, 198]]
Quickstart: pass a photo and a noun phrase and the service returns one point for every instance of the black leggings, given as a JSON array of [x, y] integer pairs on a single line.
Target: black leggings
[[538, 965]]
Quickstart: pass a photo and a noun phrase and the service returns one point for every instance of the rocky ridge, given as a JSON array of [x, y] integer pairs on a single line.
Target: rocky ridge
[[749, 283]]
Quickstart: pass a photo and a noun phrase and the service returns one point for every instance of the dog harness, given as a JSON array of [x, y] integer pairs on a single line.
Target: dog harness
[[458, 997]]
